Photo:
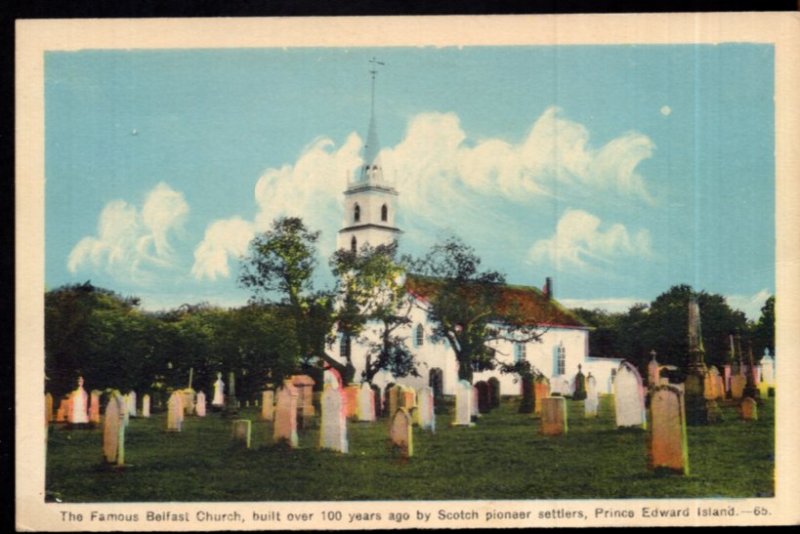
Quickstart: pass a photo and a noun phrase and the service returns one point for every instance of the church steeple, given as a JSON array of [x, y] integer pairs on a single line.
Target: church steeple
[[369, 203]]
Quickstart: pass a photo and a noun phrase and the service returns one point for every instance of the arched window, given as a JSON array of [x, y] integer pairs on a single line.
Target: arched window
[[356, 213], [419, 336], [519, 352], [562, 360], [354, 244], [344, 346], [384, 213]]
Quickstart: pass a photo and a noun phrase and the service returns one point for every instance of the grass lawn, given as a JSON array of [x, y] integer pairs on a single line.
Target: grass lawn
[[503, 457]]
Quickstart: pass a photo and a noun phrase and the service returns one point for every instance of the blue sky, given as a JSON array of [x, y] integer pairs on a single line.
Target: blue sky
[[617, 170]]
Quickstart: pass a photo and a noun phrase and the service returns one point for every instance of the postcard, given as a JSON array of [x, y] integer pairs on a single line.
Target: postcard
[[407, 272]]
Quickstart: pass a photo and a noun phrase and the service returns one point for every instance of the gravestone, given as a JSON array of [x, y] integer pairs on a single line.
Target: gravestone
[[94, 406], [333, 427], [304, 386], [132, 404], [376, 403], [709, 386], [241, 430], [114, 430], [365, 403], [392, 394], [48, 408], [231, 402], [668, 444], [749, 409], [351, 400], [62, 414], [188, 401], [768, 369], [200, 405], [526, 404], [407, 398], [79, 405], [494, 392], [146, 405], [541, 390], [554, 416], [267, 401], [628, 398], [463, 415], [580, 386], [401, 433], [218, 401], [426, 412], [482, 389], [590, 406], [474, 406], [436, 381], [719, 388], [653, 371], [285, 427], [738, 383], [175, 412]]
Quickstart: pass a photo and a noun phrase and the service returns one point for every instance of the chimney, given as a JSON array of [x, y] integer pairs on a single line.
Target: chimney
[[548, 288]]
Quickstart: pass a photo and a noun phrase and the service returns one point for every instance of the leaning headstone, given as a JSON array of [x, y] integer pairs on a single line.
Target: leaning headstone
[[592, 402], [738, 382], [554, 416], [527, 400], [749, 409], [114, 430], [541, 390], [79, 405], [668, 443], [365, 403], [200, 404], [580, 385], [285, 427], [175, 412], [94, 406], [267, 401], [483, 396], [463, 404], [426, 416], [401, 433], [333, 427], [241, 430], [218, 401], [628, 397], [48, 408], [494, 392], [145, 405]]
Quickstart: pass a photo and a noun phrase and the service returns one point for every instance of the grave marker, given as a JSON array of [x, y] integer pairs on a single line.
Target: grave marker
[[285, 428], [114, 430], [738, 382], [668, 443], [146, 405], [426, 413], [474, 404], [132, 403], [541, 389], [592, 402], [200, 405], [79, 405], [580, 385], [554, 416], [494, 392], [749, 409], [94, 406], [628, 398], [241, 431], [482, 389], [218, 400], [175, 412], [351, 400], [267, 401], [188, 401], [333, 428], [401, 433], [365, 403], [463, 415]]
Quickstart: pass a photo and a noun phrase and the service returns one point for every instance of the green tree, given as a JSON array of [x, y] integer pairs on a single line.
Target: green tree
[[466, 308], [374, 307], [763, 331]]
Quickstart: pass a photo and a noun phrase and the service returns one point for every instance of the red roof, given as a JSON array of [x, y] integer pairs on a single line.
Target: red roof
[[527, 303]]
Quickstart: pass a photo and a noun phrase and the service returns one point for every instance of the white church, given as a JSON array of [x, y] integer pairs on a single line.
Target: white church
[[370, 207]]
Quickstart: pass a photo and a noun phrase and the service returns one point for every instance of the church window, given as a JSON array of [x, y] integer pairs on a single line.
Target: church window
[[344, 346], [419, 336], [562, 360], [519, 352], [384, 213], [357, 213], [354, 244]]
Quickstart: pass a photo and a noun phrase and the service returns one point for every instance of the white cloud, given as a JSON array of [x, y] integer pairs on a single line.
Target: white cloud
[[129, 242], [750, 304], [437, 160], [223, 239], [666, 110], [580, 242]]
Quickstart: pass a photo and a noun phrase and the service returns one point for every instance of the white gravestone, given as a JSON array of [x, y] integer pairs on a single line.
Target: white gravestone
[[285, 427], [768, 369], [474, 404], [175, 412], [219, 392], [131, 398], [629, 397], [200, 405], [426, 417], [366, 403], [592, 398], [145, 405], [79, 405], [333, 428], [114, 430], [267, 402], [463, 404]]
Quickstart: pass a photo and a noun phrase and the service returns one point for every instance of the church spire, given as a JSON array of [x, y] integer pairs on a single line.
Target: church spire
[[372, 171]]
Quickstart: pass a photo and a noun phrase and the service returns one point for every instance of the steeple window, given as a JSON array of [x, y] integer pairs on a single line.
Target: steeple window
[[384, 213], [357, 213], [354, 244]]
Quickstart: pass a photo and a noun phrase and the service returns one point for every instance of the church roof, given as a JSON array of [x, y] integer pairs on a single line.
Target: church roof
[[528, 303]]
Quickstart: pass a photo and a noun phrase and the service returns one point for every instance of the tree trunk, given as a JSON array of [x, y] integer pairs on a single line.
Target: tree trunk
[[464, 370]]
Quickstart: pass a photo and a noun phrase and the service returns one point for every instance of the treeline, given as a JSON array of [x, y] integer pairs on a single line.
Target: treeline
[[662, 325]]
